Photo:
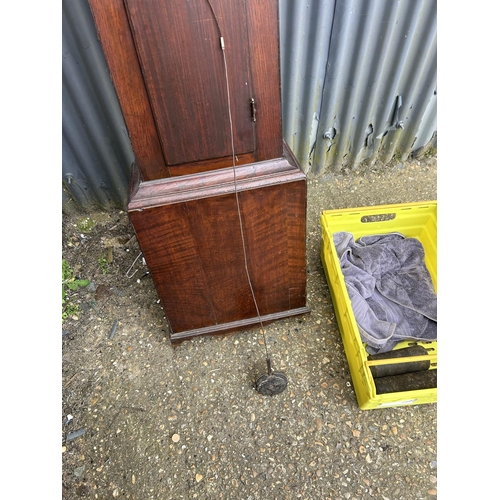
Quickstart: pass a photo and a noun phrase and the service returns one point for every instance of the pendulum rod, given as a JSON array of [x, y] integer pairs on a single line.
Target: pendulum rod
[[230, 119]]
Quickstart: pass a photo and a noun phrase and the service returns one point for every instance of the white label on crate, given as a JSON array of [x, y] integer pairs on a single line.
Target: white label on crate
[[398, 403]]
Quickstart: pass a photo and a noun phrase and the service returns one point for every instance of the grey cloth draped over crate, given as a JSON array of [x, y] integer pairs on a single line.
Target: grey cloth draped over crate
[[390, 288]]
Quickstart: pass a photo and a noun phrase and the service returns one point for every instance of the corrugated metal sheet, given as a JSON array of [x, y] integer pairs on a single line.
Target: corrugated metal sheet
[[359, 80], [305, 34], [97, 153], [359, 83]]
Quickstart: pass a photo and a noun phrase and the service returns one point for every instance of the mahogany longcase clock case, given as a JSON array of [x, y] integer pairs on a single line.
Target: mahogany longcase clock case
[[202, 128]]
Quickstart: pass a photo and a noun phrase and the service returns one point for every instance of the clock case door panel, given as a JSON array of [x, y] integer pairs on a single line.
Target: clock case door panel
[[129, 32], [180, 54]]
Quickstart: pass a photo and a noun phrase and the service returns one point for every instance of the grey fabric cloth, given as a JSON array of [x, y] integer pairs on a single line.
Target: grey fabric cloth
[[390, 288]]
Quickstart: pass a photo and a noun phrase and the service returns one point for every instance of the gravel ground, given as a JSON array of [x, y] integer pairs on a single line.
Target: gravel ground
[[141, 419]]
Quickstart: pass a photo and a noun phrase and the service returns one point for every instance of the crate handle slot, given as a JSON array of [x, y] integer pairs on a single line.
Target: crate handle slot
[[406, 359], [378, 217], [420, 342]]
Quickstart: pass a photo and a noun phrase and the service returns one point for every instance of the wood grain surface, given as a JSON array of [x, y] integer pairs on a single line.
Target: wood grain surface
[[189, 234]]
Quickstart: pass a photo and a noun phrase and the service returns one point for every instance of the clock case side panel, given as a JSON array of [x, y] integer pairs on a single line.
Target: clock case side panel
[[113, 31]]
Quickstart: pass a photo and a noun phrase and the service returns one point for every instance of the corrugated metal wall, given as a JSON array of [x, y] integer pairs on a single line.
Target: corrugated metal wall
[[359, 79], [359, 83], [97, 154]]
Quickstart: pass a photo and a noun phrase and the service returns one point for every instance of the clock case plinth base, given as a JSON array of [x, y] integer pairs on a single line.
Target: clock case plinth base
[[189, 232]]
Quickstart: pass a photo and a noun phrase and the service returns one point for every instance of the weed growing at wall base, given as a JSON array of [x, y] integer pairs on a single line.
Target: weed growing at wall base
[[70, 283]]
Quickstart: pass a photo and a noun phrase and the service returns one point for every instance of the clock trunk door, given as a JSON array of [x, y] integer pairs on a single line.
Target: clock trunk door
[[179, 49]]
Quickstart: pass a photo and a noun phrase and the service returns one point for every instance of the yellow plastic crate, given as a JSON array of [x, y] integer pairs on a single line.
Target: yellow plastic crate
[[415, 220]]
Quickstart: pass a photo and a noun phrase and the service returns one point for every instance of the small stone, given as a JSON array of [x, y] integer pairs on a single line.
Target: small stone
[[116, 492], [252, 417], [199, 477], [176, 438], [356, 433], [79, 471], [394, 430], [133, 479], [432, 492], [64, 449], [368, 458]]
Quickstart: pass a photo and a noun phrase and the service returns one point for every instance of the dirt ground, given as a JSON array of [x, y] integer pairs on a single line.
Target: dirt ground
[[141, 419]]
